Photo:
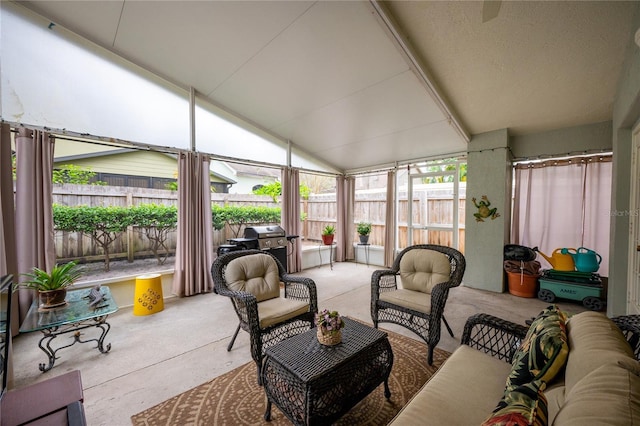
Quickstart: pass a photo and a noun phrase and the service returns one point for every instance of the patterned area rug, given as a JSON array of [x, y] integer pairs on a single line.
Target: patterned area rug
[[236, 399]]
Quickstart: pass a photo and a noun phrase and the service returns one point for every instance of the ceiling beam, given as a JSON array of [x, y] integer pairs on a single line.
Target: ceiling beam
[[416, 65]]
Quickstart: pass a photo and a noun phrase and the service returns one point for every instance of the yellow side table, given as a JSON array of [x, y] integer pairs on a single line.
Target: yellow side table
[[148, 295]]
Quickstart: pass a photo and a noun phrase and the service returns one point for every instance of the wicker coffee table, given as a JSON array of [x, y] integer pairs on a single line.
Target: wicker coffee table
[[316, 384]]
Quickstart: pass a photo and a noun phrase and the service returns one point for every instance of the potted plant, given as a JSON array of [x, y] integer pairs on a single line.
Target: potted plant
[[327, 234], [364, 229], [329, 330], [52, 286]]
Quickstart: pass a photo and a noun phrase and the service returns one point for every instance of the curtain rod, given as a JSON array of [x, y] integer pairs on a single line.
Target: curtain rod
[[573, 154]]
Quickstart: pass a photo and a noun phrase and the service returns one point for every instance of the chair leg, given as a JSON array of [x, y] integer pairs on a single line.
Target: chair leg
[[446, 324], [233, 339], [259, 364], [430, 355]]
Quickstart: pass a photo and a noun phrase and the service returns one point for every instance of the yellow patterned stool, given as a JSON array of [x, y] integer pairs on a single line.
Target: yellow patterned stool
[[148, 295]]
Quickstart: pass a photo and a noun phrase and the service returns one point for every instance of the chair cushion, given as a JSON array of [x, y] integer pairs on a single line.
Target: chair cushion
[[256, 274], [415, 300], [275, 311], [422, 269], [543, 352]]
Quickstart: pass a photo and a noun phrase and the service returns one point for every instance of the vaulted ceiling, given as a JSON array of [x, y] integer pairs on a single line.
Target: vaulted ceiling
[[360, 84]]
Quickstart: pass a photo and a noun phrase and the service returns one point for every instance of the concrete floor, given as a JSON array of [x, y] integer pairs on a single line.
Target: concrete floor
[[156, 357]]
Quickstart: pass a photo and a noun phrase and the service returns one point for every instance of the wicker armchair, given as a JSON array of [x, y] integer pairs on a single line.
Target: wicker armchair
[[251, 279], [427, 272]]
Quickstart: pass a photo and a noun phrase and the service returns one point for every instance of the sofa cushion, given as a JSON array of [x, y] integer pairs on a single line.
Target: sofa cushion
[[524, 405], [256, 274], [543, 352], [462, 392], [554, 394], [593, 341], [421, 269], [609, 395]]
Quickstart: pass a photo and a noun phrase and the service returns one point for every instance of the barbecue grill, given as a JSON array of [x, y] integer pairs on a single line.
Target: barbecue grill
[[272, 238], [268, 236]]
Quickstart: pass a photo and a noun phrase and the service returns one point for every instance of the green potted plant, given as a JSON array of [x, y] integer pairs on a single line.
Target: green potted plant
[[51, 286], [364, 229], [327, 234]]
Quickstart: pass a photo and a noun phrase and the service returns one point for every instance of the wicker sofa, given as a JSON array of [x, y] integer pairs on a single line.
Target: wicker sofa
[[597, 381]]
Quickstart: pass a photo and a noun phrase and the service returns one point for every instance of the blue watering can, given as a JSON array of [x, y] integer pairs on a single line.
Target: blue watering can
[[586, 260]]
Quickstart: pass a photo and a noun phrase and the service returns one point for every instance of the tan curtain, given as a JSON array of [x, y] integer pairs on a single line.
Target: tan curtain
[[34, 214], [290, 219], [390, 221], [345, 188], [562, 204], [8, 259], [194, 248]]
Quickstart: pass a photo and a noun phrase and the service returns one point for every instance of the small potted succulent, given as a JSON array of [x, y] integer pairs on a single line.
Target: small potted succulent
[[330, 325], [51, 286], [364, 229], [327, 234]]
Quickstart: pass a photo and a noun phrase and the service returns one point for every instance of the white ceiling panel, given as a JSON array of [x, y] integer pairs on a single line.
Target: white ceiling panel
[[334, 50], [365, 115], [327, 76]]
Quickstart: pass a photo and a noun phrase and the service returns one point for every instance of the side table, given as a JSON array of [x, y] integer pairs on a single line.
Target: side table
[[333, 244], [316, 384], [366, 252], [76, 315]]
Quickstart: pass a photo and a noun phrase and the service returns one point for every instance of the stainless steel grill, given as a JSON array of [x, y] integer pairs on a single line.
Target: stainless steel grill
[[268, 236]]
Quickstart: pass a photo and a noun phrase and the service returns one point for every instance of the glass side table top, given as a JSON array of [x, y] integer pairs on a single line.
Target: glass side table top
[[76, 310]]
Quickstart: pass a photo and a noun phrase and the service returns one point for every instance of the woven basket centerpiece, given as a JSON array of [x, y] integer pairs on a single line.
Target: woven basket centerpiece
[[329, 327], [329, 338]]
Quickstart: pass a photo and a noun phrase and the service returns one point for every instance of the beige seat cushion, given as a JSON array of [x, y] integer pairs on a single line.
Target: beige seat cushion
[[415, 300], [464, 391], [421, 269], [608, 395], [277, 310], [256, 274], [593, 341]]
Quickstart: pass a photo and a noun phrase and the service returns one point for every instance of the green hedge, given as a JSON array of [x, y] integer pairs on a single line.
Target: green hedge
[[104, 224]]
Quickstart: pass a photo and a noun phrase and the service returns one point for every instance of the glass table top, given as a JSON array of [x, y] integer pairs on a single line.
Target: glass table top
[[76, 310]]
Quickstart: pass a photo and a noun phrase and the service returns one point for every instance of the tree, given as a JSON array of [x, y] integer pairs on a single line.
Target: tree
[[155, 222], [102, 224], [70, 173], [274, 190]]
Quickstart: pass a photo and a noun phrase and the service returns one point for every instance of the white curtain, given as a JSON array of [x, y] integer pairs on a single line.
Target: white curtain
[[194, 250], [291, 216], [564, 203]]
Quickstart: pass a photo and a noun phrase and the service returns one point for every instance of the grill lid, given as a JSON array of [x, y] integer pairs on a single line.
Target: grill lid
[[261, 232]]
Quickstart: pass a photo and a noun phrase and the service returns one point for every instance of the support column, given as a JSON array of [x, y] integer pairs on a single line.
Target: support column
[[488, 174]]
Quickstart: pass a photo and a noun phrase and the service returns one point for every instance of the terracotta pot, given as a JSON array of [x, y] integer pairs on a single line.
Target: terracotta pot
[[523, 285], [52, 298], [327, 239]]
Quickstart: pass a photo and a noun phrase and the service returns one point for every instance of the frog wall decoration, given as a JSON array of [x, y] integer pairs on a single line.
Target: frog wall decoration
[[484, 211]]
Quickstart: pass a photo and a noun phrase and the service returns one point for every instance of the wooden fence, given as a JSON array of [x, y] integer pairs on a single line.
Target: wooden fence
[[317, 213]]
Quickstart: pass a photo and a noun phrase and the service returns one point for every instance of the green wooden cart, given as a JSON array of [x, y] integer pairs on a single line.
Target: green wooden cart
[[585, 287]]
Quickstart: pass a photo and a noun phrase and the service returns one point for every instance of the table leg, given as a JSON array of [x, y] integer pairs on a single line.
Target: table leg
[[51, 333]]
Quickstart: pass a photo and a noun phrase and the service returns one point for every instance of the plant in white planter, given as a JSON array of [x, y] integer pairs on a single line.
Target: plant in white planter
[[364, 229]]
